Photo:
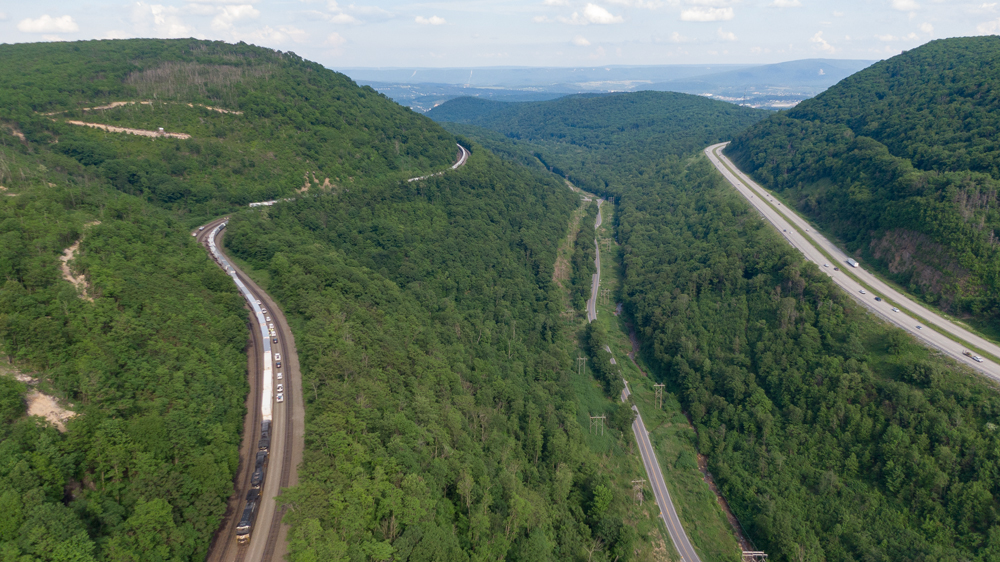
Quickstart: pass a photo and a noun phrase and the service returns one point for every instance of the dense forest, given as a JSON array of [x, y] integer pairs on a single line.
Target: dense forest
[[900, 162], [601, 142], [832, 436], [440, 423], [153, 367]]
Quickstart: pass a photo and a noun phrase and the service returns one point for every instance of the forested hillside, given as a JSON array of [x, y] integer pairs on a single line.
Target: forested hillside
[[832, 436], [900, 161], [262, 123], [603, 142], [441, 424], [153, 367], [148, 349]]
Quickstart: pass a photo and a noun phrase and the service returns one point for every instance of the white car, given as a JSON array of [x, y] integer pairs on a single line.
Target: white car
[[280, 387], [279, 375], [862, 291], [258, 302], [267, 318], [977, 359], [281, 398], [826, 265], [264, 310], [894, 309], [277, 357]]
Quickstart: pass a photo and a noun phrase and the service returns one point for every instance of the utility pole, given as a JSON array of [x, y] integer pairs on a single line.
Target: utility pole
[[581, 365], [594, 420], [637, 486], [659, 393]]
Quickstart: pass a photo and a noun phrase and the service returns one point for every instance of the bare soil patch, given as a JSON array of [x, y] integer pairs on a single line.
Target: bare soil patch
[[46, 406], [78, 281], [140, 132]]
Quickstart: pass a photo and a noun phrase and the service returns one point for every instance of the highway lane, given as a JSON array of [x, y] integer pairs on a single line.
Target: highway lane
[[810, 243], [659, 486], [649, 460]]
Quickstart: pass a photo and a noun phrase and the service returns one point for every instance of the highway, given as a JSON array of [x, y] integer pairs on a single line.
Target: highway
[[913, 317], [649, 460]]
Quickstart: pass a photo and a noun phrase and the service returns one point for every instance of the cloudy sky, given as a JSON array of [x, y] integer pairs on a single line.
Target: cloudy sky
[[443, 33]]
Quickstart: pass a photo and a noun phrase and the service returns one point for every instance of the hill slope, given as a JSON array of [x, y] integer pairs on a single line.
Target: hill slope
[[900, 162], [605, 139], [258, 120]]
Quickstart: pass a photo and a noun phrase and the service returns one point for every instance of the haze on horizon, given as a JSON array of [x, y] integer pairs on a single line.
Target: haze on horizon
[[476, 33]]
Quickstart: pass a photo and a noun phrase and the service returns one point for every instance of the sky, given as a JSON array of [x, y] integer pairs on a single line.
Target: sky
[[450, 33]]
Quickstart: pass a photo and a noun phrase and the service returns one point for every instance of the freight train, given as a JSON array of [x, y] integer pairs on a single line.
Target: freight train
[[253, 498]]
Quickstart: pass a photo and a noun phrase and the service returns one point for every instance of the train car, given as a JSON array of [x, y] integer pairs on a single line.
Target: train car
[[245, 526], [259, 470], [265, 436]]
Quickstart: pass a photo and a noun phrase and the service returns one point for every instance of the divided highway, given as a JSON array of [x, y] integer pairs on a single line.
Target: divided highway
[[926, 325], [649, 460]]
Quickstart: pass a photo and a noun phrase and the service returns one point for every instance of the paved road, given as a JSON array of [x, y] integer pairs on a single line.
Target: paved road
[[782, 218], [596, 280], [649, 460], [660, 492]]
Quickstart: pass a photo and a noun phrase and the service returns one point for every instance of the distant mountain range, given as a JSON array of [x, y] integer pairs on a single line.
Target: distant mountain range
[[772, 86]]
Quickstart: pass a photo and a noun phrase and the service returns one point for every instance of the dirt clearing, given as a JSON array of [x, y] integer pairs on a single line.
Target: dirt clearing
[[140, 132], [78, 281]]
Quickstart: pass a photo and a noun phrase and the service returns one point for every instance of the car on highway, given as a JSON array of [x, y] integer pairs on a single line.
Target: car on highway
[[862, 291], [277, 357], [836, 269], [894, 309], [280, 388], [279, 375], [267, 318], [879, 299], [281, 398], [826, 265], [274, 339], [263, 310], [194, 234], [977, 359], [919, 327], [200, 228]]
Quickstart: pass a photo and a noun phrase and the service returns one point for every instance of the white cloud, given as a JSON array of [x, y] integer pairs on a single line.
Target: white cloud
[[987, 7], [886, 37], [647, 4], [229, 15], [539, 19], [3, 16], [597, 14], [707, 14], [785, 4], [433, 20], [342, 18], [335, 40], [556, 2], [581, 41], [48, 24], [927, 28], [678, 38], [904, 5], [989, 28], [821, 43], [268, 35], [726, 35], [159, 21]]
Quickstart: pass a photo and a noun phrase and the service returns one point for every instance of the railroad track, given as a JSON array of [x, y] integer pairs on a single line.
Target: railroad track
[[225, 547]]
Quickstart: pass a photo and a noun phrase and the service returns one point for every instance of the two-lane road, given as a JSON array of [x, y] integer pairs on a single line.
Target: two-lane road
[[802, 236], [649, 460], [660, 492]]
